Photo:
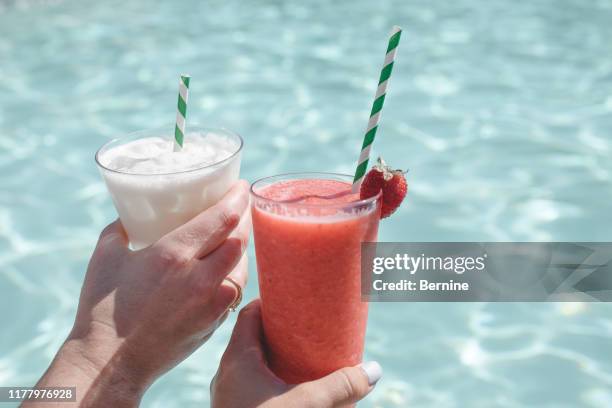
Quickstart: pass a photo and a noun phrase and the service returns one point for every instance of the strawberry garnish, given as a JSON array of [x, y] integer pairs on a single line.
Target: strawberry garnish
[[391, 182]]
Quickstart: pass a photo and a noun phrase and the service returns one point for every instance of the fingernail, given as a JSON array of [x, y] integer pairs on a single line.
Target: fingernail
[[373, 371]]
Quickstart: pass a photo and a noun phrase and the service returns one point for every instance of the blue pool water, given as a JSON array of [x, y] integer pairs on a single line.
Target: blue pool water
[[502, 110]]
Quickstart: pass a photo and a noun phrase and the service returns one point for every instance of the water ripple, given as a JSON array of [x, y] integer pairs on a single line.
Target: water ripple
[[502, 112]]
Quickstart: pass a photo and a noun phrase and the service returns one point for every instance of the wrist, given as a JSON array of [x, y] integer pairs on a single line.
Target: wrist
[[112, 379]]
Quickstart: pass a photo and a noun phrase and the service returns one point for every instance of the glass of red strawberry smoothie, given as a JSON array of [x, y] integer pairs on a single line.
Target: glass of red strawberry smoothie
[[308, 229]]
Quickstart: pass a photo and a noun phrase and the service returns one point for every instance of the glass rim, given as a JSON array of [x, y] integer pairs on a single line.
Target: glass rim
[[351, 204], [194, 127]]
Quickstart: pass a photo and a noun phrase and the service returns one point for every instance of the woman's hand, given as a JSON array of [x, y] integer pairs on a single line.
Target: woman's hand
[[244, 380], [142, 312]]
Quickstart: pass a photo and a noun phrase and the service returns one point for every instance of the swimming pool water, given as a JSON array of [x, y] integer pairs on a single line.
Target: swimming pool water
[[501, 110]]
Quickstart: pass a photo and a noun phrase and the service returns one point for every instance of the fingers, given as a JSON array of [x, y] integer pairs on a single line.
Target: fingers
[[227, 293], [240, 274], [248, 332], [113, 237], [245, 347], [243, 377], [210, 309], [208, 273], [345, 386], [204, 233]]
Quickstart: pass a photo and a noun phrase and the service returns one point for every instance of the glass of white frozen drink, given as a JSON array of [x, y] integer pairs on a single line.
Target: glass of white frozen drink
[[156, 189]]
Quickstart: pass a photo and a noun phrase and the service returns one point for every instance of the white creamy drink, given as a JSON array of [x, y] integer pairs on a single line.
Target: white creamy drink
[[156, 189]]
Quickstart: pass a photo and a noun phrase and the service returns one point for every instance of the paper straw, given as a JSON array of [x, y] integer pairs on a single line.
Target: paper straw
[[379, 99], [181, 112]]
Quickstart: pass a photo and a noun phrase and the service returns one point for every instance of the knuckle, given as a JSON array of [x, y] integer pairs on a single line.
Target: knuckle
[[211, 387], [349, 388], [170, 257], [228, 218], [217, 384], [106, 231], [248, 313], [245, 311], [103, 233]]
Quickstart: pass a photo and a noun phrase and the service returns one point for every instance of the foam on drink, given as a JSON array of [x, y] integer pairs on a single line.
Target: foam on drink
[[154, 155]]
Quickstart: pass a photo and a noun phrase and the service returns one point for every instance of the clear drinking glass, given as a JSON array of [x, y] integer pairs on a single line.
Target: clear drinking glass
[[150, 204], [309, 261]]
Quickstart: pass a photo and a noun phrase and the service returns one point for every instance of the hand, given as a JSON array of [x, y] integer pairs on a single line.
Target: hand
[[244, 380], [142, 312]]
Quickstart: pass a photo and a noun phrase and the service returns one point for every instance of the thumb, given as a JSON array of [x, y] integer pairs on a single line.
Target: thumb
[[347, 385]]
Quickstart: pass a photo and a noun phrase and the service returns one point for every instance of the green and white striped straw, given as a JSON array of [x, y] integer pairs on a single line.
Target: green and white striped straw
[[181, 112], [379, 99]]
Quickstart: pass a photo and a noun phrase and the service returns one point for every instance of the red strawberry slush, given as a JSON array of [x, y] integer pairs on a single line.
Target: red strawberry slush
[[308, 235]]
